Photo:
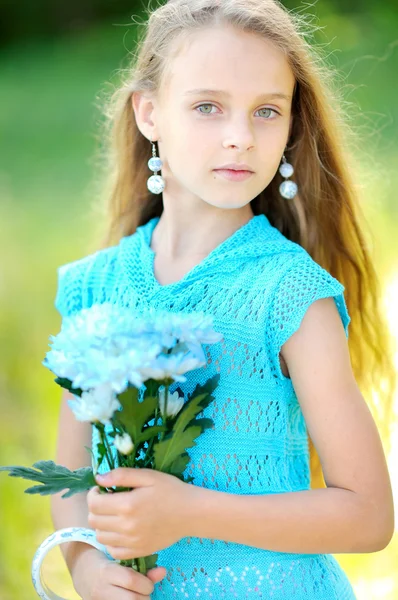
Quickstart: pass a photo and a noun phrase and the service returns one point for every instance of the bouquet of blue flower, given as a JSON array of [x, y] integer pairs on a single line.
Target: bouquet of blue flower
[[104, 355]]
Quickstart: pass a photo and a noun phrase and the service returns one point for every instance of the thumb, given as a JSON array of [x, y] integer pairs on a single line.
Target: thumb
[[157, 574], [126, 477]]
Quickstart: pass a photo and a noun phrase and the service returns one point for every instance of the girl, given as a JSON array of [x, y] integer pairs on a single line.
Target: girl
[[230, 94]]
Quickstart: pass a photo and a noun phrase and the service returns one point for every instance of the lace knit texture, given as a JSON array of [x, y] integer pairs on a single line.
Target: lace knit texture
[[258, 285]]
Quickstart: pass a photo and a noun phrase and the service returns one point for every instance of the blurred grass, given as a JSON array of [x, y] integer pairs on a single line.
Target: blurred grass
[[47, 127]]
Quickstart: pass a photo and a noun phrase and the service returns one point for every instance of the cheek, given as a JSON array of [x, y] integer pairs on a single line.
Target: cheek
[[196, 142], [192, 136], [188, 154], [270, 150]]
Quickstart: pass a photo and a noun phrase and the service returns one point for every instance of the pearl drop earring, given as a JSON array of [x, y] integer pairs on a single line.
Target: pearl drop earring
[[155, 183], [288, 189]]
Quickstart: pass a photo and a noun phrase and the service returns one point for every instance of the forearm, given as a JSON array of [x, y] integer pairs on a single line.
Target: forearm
[[326, 521], [71, 512]]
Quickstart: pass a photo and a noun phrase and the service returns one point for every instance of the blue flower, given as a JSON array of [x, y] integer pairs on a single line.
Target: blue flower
[[109, 344]]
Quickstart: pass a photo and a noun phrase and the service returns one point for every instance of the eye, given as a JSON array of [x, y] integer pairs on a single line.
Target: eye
[[201, 106], [209, 105], [270, 109]]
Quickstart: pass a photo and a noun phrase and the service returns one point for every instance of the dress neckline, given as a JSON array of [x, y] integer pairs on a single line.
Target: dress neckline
[[149, 254], [245, 242]]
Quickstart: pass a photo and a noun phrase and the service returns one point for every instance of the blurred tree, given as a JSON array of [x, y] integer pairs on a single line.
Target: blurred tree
[[47, 18]]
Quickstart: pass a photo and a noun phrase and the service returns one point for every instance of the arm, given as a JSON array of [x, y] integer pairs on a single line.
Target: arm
[[71, 512], [355, 513]]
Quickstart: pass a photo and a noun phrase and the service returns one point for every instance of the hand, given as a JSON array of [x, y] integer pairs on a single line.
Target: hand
[[150, 517], [95, 577]]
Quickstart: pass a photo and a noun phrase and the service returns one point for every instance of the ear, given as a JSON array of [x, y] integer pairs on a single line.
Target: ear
[[145, 114]]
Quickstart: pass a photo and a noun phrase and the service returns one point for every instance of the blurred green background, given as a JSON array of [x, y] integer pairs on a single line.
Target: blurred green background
[[54, 61]]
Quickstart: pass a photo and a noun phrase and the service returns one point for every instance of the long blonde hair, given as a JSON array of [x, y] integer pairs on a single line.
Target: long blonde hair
[[324, 217]]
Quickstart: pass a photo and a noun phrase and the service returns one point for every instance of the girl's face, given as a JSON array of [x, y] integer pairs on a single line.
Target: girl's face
[[240, 121]]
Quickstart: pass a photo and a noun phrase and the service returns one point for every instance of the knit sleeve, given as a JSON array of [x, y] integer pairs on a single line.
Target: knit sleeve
[[300, 285], [73, 285], [85, 281], [68, 299]]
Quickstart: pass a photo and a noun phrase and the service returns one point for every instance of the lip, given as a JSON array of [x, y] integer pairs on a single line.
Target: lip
[[233, 175], [235, 167]]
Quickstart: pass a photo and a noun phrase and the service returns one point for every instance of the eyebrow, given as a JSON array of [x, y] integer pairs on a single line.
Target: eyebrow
[[269, 95]]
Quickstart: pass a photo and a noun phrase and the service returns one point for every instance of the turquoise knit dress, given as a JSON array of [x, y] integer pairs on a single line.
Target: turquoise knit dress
[[257, 285]]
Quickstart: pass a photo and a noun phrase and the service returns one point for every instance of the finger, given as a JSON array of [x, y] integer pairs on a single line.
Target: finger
[[94, 491], [107, 523], [133, 580], [109, 538], [122, 553], [126, 595], [121, 593], [157, 574], [109, 504], [93, 496]]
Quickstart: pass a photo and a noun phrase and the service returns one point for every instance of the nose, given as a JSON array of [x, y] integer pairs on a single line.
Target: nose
[[240, 136]]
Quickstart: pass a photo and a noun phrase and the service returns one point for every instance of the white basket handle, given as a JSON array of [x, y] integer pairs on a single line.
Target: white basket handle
[[62, 536]]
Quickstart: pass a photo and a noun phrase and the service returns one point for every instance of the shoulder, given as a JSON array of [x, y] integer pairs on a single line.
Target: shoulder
[[292, 268], [76, 279], [276, 255], [297, 283]]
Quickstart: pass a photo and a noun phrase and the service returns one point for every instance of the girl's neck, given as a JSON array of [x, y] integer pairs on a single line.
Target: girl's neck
[[195, 238]]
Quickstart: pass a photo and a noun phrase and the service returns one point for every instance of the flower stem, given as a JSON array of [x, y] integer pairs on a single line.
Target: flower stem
[[103, 438], [141, 565], [166, 397], [152, 438], [138, 564], [110, 458], [166, 393]]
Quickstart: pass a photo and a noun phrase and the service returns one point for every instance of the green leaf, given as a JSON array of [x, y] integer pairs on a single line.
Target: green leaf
[[54, 478], [151, 432], [167, 452], [150, 562], [152, 387], [204, 392], [67, 385], [178, 466], [93, 457], [135, 414], [101, 453], [204, 423], [169, 449]]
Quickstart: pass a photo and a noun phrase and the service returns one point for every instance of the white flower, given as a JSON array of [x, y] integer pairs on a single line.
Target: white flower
[[194, 328], [123, 443], [111, 344], [98, 404], [174, 402], [171, 366], [91, 361]]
